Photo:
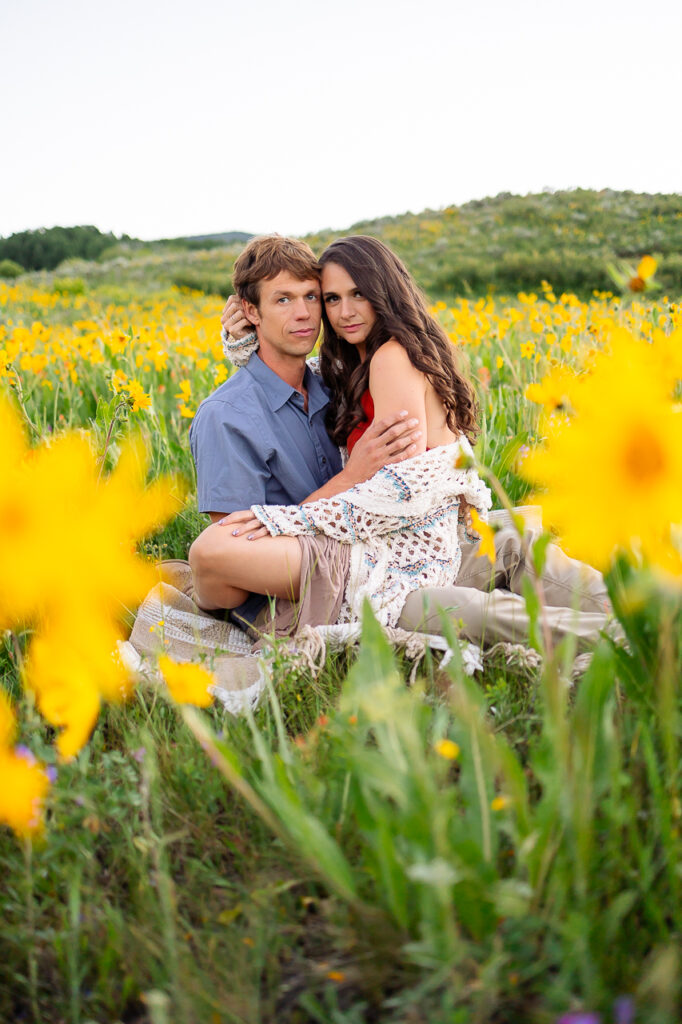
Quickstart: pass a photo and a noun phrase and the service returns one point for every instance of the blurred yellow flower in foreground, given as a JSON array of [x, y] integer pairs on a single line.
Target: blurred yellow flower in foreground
[[188, 683], [66, 537], [24, 787], [647, 267], [613, 470], [7, 721], [554, 390], [24, 780], [70, 670], [67, 548]]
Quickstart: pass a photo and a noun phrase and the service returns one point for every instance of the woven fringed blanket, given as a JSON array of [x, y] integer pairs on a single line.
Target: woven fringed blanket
[[169, 622], [404, 526]]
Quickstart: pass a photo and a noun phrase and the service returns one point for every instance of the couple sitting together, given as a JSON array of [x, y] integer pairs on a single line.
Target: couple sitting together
[[298, 537]]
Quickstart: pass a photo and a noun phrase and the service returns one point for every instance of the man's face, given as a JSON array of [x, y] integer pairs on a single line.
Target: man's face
[[287, 319]]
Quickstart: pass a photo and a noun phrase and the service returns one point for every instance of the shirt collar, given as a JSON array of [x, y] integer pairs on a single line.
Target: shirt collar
[[318, 396], [278, 392]]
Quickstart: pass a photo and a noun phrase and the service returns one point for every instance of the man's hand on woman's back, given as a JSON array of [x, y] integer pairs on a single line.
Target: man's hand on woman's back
[[391, 439]]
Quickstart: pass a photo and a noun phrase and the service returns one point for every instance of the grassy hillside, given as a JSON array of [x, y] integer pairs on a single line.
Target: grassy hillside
[[503, 244], [508, 243]]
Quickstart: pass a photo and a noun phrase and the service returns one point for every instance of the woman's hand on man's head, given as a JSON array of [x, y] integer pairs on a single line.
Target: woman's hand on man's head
[[234, 319]]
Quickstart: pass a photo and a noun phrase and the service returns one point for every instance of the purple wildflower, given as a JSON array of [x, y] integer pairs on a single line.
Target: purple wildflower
[[27, 755], [624, 1010]]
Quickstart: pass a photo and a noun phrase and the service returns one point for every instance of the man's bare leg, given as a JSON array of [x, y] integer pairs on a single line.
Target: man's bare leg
[[226, 568]]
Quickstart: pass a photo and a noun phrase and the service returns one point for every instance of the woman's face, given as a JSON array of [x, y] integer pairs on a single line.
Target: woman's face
[[350, 313]]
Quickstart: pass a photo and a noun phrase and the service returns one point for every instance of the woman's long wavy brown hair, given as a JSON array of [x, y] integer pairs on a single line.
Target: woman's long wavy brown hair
[[401, 313]]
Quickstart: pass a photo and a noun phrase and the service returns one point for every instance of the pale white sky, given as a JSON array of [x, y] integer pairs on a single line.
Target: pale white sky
[[163, 119]]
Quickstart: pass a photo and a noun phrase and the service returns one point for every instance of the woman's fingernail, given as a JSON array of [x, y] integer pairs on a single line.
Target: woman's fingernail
[[235, 533], [250, 537]]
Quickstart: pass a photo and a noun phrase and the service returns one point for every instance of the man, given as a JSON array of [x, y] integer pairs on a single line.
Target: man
[[260, 439]]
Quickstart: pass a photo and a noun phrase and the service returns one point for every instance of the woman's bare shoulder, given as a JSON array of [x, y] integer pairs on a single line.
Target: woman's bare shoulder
[[390, 356]]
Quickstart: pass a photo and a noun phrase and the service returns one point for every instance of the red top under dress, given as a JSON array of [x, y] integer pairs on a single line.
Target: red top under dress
[[357, 432]]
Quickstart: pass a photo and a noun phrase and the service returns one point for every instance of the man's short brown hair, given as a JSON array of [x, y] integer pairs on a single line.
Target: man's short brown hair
[[265, 257]]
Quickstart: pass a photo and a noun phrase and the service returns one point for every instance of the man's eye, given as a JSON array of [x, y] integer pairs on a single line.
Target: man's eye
[[313, 296], [282, 298]]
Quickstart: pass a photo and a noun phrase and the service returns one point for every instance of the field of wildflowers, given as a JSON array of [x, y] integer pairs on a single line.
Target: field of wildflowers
[[502, 849]]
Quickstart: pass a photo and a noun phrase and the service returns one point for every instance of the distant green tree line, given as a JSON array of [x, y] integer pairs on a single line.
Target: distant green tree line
[[45, 248]]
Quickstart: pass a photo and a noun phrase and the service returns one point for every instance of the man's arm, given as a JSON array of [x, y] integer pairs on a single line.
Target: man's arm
[[230, 472], [385, 441]]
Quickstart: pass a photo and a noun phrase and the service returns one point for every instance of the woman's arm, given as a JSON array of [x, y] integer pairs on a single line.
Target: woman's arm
[[393, 380]]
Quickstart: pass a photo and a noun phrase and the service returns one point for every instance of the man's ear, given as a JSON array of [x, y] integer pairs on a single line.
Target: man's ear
[[251, 312]]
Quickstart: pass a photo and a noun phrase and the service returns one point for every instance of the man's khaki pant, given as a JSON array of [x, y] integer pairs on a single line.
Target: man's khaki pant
[[487, 598]]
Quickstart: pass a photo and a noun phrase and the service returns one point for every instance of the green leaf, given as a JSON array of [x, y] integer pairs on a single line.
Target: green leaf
[[533, 609], [540, 551]]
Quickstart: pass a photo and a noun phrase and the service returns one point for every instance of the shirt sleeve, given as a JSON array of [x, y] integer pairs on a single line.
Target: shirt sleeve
[[230, 459]]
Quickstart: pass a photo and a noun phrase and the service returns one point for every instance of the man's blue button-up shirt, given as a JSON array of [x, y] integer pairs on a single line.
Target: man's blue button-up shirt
[[253, 443]]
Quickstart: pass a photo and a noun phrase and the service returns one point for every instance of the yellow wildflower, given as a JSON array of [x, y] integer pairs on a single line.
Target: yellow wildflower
[[188, 683], [119, 381], [141, 400], [447, 749], [72, 570], [487, 535], [527, 349], [613, 471], [554, 390], [499, 803]]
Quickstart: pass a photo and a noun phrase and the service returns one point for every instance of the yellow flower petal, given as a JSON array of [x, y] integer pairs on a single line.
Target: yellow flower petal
[[647, 268], [22, 794], [487, 535], [188, 683]]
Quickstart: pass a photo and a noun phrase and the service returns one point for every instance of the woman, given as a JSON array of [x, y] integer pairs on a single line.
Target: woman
[[382, 351]]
